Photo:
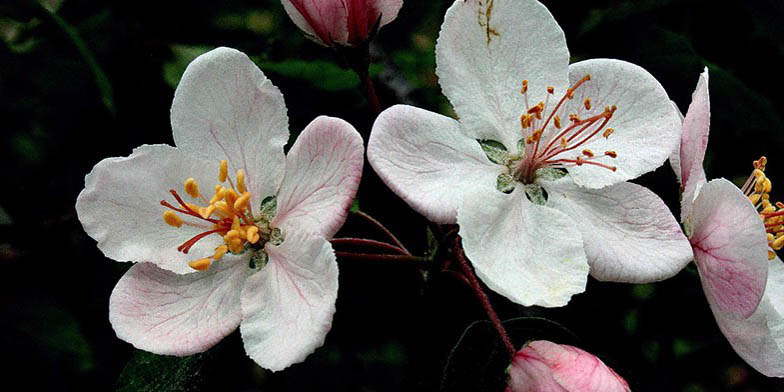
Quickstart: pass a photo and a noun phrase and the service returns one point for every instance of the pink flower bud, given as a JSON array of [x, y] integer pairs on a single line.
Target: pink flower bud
[[543, 366], [341, 22]]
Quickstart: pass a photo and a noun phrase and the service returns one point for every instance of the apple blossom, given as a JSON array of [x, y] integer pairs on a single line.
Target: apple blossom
[[543, 366], [734, 233], [253, 253], [534, 170], [341, 22]]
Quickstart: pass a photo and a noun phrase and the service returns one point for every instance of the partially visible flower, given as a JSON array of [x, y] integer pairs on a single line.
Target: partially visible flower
[[543, 366], [535, 169], [253, 251], [341, 22], [734, 234]]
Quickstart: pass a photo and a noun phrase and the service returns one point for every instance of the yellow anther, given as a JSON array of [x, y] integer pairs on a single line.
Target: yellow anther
[[574, 118], [754, 198], [222, 208], [192, 187], [608, 132], [219, 252], [200, 264], [778, 244], [242, 202], [224, 171], [525, 121], [550, 89], [767, 185], [771, 237], [563, 142], [235, 245], [241, 181], [588, 153], [231, 235], [587, 103], [172, 219], [219, 194], [207, 211], [611, 154], [252, 234], [235, 224], [771, 254], [231, 196], [757, 173], [524, 89], [557, 122]]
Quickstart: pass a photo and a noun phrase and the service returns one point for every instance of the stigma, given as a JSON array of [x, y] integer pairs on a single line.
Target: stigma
[[757, 188], [226, 213], [549, 131]]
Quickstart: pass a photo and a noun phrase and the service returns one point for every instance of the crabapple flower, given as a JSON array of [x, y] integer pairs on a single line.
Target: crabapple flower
[[253, 251], [534, 170], [543, 366], [734, 233], [341, 22]]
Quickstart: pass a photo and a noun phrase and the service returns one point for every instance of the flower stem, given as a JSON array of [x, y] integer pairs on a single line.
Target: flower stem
[[384, 230], [369, 91], [367, 243], [383, 257], [480, 294]]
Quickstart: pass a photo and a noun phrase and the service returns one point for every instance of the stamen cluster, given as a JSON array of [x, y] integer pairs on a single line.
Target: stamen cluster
[[546, 136], [227, 213], [758, 188]]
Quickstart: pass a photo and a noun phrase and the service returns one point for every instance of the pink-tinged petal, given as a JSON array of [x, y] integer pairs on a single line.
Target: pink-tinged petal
[[225, 108], [675, 156], [629, 233], [529, 253], [730, 247], [486, 50], [324, 21], [694, 142], [364, 14], [759, 339], [323, 169], [166, 313], [427, 160], [287, 307], [543, 366], [646, 126], [120, 207]]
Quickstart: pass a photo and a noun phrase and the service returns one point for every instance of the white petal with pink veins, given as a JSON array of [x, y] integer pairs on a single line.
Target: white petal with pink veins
[[429, 161], [730, 247], [322, 20], [646, 126], [696, 126], [629, 233], [759, 339], [529, 253], [485, 51], [287, 307], [166, 313], [323, 169], [225, 108], [120, 207], [543, 366]]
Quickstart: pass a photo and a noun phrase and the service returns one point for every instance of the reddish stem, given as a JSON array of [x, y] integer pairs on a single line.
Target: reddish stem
[[480, 294], [381, 257], [370, 91], [367, 242], [384, 230]]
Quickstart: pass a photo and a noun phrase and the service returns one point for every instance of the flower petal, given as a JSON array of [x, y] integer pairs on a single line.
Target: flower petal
[[427, 160], [730, 247], [485, 51], [323, 20], [694, 142], [388, 9], [120, 207], [647, 127], [529, 253], [323, 169], [629, 233], [166, 313], [225, 108], [287, 307], [675, 156], [543, 366], [759, 339], [364, 14]]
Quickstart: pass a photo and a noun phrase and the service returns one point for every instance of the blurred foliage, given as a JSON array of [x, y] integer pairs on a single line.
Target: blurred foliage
[[82, 80]]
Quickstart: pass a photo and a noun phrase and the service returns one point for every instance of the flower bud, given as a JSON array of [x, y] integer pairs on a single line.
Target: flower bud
[[341, 22], [546, 366]]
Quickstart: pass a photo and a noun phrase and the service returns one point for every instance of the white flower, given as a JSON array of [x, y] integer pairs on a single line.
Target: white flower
[[500, 172], [253, 253]]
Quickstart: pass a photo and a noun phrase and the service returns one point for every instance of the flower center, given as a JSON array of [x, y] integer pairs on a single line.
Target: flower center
[[546, 136], [227, 213], [758, 188]]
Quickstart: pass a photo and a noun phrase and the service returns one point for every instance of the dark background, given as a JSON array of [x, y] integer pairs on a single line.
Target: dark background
[[84, 80]]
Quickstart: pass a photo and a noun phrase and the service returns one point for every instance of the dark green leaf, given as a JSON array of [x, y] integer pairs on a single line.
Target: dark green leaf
[[159, 373]]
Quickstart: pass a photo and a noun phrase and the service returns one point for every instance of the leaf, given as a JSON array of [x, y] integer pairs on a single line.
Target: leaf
[[478, 362], [322, 74], [159, 373]]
